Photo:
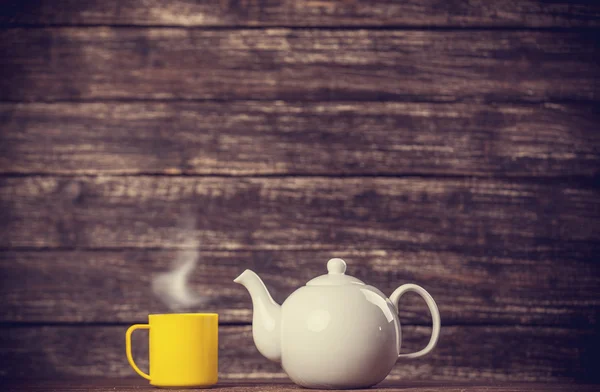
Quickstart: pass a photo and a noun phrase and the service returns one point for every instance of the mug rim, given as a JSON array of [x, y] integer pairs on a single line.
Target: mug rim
[[183, 314]]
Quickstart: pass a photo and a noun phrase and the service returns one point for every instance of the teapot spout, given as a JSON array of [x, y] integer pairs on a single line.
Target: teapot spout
[[266, 319]]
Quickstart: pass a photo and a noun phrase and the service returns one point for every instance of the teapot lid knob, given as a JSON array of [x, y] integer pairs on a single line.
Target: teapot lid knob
[[336, 266], [336, 276]]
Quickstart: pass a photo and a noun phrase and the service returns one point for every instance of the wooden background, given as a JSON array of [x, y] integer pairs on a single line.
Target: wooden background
[[453, 144]]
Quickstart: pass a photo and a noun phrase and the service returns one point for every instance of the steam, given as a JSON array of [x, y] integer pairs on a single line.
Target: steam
[[172, 287]]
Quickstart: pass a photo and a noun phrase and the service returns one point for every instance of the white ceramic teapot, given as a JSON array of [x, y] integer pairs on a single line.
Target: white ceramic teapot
[[335, 332]]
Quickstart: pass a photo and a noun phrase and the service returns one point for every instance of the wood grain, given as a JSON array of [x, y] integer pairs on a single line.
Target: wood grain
[[527, 13], [101, 63], [463, 353], [492, 217], [116, 286], [84, 384], [278, 138]]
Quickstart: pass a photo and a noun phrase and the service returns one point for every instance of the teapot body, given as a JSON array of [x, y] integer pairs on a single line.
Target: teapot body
[[345, 336], [334, 333]]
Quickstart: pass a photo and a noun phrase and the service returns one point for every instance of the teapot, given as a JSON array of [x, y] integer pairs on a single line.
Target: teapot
[[335, 332]]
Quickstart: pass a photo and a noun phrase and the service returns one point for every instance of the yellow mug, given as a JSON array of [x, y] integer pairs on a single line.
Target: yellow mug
[[183, 349]]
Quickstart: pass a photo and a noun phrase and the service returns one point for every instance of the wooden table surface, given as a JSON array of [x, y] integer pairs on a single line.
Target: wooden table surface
[[265, 385]]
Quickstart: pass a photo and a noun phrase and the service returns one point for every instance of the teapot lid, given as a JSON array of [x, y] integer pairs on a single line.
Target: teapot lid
[[336, 276]]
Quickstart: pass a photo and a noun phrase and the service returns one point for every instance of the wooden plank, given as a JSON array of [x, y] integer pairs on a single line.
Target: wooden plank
[[489, 216], [117, 286], [525, 13], [80, 384], [265, 138], [463, 353], [101, 63]]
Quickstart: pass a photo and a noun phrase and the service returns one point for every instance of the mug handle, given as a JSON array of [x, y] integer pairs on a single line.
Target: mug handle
[[128, 348], [435, 316]]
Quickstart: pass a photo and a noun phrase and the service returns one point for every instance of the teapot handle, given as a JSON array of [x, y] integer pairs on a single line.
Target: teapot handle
[[435, 316]]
